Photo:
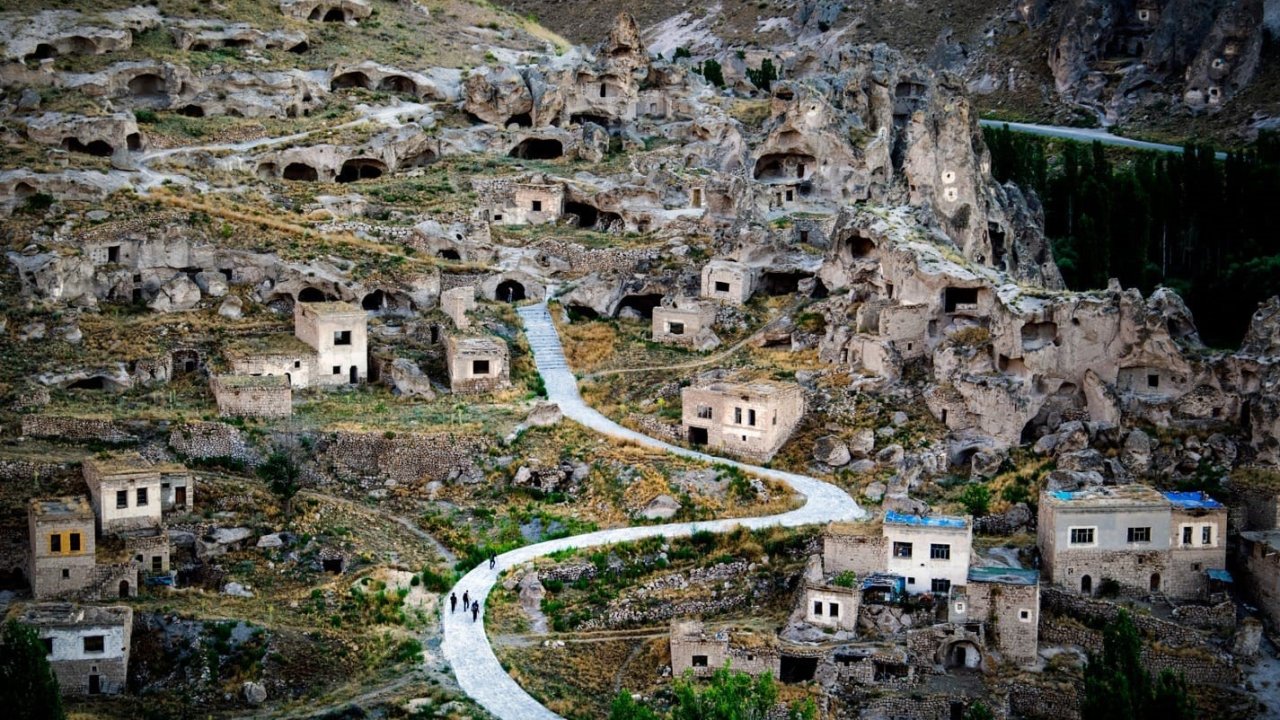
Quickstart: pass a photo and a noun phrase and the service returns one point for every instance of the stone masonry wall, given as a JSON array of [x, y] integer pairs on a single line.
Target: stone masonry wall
[[1202, 665], [589, 260], [73, 428], [376, 460], [1099, 612], [209, 440]]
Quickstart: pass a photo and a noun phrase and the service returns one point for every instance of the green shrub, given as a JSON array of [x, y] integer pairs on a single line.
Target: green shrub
[[712, 71], [976, 499]]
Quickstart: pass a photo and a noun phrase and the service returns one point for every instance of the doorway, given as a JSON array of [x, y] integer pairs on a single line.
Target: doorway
[[1086, 585]]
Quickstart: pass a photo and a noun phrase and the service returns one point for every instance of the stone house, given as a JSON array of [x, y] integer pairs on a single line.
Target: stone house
[[477, 364], [338, 332], [150, 550], [87, 646], [728, 281], [456, 303], [1260, 551], [279, 354], [931, 551], [61, 551], [694, 649], [827, 604], [752, 419], [507, 202], [1007, 600], [125, 490], [683, 323], [265, 396], [1144, 540]]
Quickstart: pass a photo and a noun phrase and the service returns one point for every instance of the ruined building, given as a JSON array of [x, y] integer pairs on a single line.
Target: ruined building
[[752, 419], [1143, 540], [87, 646], [477, 364], [338, 333]]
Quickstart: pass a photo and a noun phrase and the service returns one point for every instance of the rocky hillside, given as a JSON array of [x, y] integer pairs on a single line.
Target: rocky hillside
[[1172, 69]]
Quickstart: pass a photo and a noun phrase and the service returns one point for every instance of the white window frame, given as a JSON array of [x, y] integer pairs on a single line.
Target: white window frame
[[1024, 615], [1092, 528]]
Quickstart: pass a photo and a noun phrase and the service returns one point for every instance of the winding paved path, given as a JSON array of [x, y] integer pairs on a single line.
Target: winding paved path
[[1088, 135], [466, 647]]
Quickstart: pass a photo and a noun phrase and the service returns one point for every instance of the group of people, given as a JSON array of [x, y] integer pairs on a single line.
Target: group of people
[[467, 602]]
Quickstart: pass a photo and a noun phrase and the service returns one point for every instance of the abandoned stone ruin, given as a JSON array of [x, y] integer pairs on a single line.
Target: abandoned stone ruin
[[671, 345]]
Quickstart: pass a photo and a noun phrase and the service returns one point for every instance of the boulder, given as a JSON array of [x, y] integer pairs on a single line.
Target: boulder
[[176, 295], [544, 414], [595, 143], [254, 693], [662, 507], [1136, 453], [407, 379], [231, 308], [235, 589], [874, 492], [496, 95], [270, 541], [831, 450], [985, 463], [862, 443], [213, 284]]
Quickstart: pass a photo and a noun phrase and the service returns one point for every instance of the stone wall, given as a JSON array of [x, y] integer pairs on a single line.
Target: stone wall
[[449, 281], [375, 460], [212, 440], [653, 427], [925, 707], [1201, 664], [265, 400], [588, 260], [1096, 613], [863, 554], [1057, 701], [1001, 606], [73, 428], [1208, 617]]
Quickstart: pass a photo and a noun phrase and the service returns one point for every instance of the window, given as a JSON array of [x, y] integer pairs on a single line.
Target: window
[[940, 585], [297, 364], [537, 206], [791, 195], [604, 90], [737, 416], [122, 499], [1186, 535], [1153, 380], [817, 608], [93, 643], [498, 217], [66, 574], [157, 563], [751, 417], [113, 253], [1024, 615], [55, 543], [833, 609], [902, 550], [75, 542], [939, 552], [699, 660], [722, 286], [704, 412], [142, 497], [1206, 535], [337, 369], [1139, 534], [342, 337], [675, 328], [479, 367], [1082, 536], [911, 581], [48, 645], [959, 607]]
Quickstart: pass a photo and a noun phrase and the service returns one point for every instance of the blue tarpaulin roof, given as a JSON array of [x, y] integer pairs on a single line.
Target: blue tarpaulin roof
[[943, 521], [1192, 500], [1219, 575]]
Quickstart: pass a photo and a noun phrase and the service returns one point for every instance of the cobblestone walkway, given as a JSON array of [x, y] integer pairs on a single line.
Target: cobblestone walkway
[[466, 647]]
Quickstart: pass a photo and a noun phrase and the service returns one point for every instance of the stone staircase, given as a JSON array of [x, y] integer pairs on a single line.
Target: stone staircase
[[543, 339]]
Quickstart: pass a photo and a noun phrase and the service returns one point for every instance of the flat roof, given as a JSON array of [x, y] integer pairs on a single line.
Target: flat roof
[[339, 307], [1266, 537], [477, 345], [70, 615], [1192, 500], [273, 344], [758, 388], [74, 507], [1105, 496], [1004, 575], [253, 381], [124, 463], [936, 521]]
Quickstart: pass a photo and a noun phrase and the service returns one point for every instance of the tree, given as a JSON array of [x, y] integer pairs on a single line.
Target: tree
[[727, 695], [713, 73], [976, 499], [764, 77], [1118, 687], [28, 686], [283, 475], [979, 711]]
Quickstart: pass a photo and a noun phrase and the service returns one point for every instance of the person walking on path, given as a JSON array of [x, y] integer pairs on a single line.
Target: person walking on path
[[465, 602], [453, 601], [475, 610], [493, 560]]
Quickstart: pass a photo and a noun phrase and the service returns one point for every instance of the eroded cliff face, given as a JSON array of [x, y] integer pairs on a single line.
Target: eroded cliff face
[[1114, 55]]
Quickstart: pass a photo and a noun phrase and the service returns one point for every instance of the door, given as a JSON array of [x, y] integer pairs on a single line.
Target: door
[[124, 588], [1086, 585], [180, 497], [355, 377], [95, 684]]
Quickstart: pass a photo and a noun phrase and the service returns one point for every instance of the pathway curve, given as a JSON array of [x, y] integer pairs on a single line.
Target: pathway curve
[[467, 648], [1088, 135]]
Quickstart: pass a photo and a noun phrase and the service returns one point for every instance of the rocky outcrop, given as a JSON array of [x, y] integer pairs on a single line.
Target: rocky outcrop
[[327, 10], [1111, 56]]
